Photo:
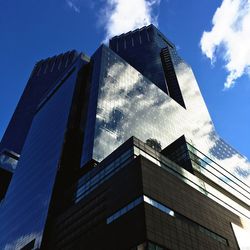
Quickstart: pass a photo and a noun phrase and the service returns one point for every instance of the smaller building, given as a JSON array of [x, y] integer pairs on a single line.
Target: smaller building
[[137, 198]]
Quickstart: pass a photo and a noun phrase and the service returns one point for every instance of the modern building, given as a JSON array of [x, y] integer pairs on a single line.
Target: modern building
[[119, 152], [42, 79]]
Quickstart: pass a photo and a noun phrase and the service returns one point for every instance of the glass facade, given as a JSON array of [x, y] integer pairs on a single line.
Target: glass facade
[[140, 46], [219, 175], [92, 180], [88, 140], [138, 87], [128, 104], [24, 211], [8, 160], [192, 180], [42, 79], [124, 154], [153, 55], [192, 159]]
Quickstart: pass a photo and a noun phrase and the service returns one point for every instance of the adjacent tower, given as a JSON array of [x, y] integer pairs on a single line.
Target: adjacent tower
[[41, 81]]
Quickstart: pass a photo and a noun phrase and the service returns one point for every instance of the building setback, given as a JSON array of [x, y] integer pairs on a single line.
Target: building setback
[[118, 151]]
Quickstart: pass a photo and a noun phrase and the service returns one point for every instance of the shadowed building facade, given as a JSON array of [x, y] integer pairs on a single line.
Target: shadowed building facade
[[91, 180], [42, 79]]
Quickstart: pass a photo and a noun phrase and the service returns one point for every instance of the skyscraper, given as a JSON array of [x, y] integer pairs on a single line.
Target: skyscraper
[[120, 153], [42, 80]]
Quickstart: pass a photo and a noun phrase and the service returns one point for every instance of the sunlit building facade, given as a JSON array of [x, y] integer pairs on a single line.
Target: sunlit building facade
[[121, 153]]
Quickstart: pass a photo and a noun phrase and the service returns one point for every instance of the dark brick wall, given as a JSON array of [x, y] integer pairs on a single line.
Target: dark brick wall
[[84, 225], [175, 233]]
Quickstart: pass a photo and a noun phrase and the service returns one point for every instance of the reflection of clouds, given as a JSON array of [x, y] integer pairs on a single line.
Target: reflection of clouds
[[142, 109], [7, 162], [204, 135], [129, 104], [238, 166], [196, 107], [23, 240]]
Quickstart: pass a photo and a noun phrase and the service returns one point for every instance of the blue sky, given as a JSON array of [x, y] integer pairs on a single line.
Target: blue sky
[[34, 29]]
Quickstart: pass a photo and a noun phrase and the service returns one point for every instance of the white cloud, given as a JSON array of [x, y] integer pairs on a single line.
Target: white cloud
[[122, 16], [229, 38], [73, 6]]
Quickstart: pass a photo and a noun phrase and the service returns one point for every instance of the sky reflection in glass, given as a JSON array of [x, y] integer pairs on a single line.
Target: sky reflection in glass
[[131, 105]]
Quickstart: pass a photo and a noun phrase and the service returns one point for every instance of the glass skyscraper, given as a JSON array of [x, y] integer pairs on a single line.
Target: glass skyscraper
[[72, 180]]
